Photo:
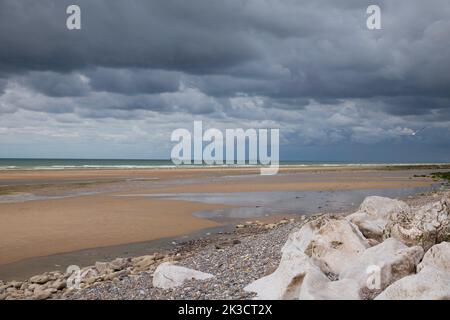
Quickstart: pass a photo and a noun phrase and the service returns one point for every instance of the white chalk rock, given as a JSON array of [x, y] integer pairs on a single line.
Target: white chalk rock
[[379, 266], [169, 275], [438, 257], [286, 281], [326, 244], [429, 284], [373, 215], [424, 226], [332, 243], [316, 286]]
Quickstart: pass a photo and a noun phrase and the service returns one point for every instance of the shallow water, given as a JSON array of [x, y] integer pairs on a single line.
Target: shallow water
[[262, 204]]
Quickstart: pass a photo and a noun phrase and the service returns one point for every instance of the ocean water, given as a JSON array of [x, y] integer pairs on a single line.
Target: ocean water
[[67, 164]]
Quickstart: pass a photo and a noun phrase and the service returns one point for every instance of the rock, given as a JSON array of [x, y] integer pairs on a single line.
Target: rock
[[40, 279], [143, 263], [169, 275], [429, 284], [2, 296], [227, 243], [438, 257], [316, 286], [89, 272], [424, 226], [103, 267], [119, 264], [42, 294], [240, 226], [15, 284], [286, 281], [58, 284], [270, 226], [90, 280], [333, 244], [115, 275], [373, 215], [391, 260]]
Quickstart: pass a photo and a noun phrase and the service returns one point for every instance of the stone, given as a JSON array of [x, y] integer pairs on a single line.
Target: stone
[[316, 286], [89, 272], [103, 267], [373, 215], [3, 296], [40, 279], [169, 275], [285, 282], [144, 262], [42, 294], [333, 244], [16, 284], [438, 257], [393, 260], [119, 264], [270, 226], [425, 226], [115, 275], [429, 284], [58, 284]]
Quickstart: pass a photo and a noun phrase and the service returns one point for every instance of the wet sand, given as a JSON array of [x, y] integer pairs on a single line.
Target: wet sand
[[38, 228], [45, 227]]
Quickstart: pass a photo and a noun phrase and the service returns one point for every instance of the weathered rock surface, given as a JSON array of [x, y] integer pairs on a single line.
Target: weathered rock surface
[[391, 260], [373, 215], [40, 279], [424, 226], [325, 245], [42, 294], [429, 284], [286, 281], [333, 244], [316, 286], [438, 257], [169, 275]]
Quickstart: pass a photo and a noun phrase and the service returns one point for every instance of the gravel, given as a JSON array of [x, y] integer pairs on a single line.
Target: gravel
[[235, 259]]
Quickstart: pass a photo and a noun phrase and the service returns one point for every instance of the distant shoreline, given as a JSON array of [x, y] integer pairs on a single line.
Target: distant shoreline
[[41, 164]]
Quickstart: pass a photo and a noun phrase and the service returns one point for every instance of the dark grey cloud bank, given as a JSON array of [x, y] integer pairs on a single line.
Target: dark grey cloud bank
[[311, 68]]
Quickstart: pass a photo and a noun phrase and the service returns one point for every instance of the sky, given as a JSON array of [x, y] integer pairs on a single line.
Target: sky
[[139, 69]]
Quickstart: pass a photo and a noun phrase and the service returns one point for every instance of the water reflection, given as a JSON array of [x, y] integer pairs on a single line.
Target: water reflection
[[260, 204]]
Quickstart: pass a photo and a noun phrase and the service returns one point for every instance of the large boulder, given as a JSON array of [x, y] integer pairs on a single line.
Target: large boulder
[[325, 245], [373, 215], [424, 226], [169, 275], [388, 261], [332, 243], [286, 281], [317, 286], [429, 284], [438, 257]]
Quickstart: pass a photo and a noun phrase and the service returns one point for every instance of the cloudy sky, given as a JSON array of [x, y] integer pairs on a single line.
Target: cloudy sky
[[139, 69]]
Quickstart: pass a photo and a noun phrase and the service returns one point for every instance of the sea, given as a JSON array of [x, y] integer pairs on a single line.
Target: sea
[[67, 164]]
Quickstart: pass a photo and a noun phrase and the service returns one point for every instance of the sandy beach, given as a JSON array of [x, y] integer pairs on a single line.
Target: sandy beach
[[79, 209]]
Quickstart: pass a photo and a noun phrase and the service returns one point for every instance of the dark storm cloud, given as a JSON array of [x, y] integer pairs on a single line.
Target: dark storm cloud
[[312, 49], [133, 81], [311, 67], [57, 85], [139, 33]]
